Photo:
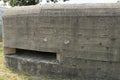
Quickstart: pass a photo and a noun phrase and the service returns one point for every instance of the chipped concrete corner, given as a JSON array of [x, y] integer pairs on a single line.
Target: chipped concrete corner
[[67, 41]]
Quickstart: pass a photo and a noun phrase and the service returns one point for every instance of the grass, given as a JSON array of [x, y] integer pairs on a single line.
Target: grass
[[6, 74]]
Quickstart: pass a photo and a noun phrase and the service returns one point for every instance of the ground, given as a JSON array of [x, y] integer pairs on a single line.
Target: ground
[[6, 74]]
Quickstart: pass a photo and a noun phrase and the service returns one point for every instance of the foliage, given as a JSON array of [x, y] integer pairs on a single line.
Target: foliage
[[28, 2], [56, 0], [21, 2]]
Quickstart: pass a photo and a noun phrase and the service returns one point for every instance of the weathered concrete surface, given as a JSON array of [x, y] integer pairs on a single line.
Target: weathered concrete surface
[[86, 37]]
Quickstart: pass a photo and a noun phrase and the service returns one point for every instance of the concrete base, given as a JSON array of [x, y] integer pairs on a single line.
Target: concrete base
[[85, 70]]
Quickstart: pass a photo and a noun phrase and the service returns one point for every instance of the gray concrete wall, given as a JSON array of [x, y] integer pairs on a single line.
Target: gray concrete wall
[[85, 35]]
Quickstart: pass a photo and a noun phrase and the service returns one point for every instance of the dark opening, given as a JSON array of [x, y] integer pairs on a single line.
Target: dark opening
[[36, 55]]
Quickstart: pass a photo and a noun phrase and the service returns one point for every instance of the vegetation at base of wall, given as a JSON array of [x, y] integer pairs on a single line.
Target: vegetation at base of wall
[[6, 74], [1, 39]]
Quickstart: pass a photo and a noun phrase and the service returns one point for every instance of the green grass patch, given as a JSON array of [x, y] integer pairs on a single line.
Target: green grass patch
[[6, 74]]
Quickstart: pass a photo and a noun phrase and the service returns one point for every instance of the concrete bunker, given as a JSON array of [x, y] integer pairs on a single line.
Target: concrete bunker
[[67, 41]]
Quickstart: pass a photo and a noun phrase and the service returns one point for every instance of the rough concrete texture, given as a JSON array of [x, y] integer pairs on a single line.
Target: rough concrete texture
[[86, 37]]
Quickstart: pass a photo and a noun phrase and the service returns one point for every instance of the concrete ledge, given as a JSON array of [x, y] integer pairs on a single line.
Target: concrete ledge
[[84, 70]]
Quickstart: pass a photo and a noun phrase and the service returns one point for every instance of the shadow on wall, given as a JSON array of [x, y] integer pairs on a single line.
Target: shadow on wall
[[1, 12]]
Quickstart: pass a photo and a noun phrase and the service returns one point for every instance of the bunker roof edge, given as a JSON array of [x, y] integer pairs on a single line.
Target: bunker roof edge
[[89, 9]]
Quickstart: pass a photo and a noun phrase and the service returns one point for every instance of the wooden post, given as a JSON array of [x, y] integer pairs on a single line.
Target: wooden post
[[58, 56], [8, 50]]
